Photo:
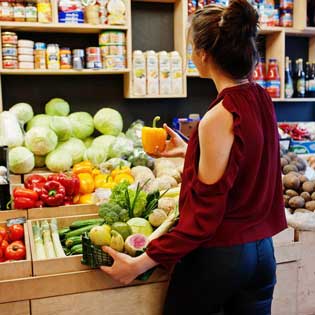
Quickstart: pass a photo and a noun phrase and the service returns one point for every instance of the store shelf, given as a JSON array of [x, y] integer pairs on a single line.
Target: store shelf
[[58, 27], [61, 72], [157, 96], [156, 1], [306, 32], [270, 30], [305, 100], [192, 75]]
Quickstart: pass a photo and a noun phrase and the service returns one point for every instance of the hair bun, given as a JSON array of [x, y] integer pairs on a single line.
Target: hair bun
[[240, 16]]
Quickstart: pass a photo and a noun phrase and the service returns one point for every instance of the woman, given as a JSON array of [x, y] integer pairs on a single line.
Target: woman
[[231, 197]]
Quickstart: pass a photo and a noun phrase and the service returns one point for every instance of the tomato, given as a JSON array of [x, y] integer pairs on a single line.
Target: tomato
[[4, 245], [4, 232], [16, 232], [15, 251]]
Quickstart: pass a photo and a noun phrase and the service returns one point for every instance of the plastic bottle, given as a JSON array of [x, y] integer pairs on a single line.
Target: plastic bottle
[[139, 73], [176, 73], [152, 69], [164, 73], [53, 56], [258, 75], [273, 79]]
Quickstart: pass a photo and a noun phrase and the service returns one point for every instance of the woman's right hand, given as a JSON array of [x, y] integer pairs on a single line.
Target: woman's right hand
[[175, 146]]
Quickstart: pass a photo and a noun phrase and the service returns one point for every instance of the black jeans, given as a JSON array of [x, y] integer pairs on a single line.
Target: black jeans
[[236, 280]]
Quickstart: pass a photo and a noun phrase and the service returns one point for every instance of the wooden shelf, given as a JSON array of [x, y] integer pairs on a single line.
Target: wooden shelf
[[290, 100], [58, 27], [61, 72], [192, 75], [270, 30], [157, 96], [156, 1]]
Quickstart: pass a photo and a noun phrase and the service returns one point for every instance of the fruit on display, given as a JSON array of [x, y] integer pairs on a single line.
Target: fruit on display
[[135, 243], [100, 235]]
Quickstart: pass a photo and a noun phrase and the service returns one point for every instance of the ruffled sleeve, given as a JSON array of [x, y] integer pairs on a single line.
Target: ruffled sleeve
[[202, 206]]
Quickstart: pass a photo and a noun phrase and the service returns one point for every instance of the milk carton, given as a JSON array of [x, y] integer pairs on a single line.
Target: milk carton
[[139, 73], [176, 73], [152, 69], [164, 73]]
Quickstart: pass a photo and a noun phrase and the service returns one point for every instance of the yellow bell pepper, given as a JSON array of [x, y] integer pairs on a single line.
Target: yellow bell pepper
[[121, 170], [96, 172], [86, 183], [86, 199], [124, 177], [76, 199], [103, 181], [82, 167]]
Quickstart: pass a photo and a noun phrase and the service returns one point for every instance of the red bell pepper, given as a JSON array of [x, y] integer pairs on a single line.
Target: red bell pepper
[[70, 183], [34, 180], [53, 194], [24, 198]]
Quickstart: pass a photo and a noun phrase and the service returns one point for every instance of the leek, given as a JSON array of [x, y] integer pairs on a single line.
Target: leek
[[55, 238], [48, 244], [38, 241]]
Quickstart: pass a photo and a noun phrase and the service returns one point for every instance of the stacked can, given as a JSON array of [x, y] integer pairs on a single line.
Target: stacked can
[[113, 50], [26, 54], [9, 50], [40, 56], [93, 58], [78, 59]]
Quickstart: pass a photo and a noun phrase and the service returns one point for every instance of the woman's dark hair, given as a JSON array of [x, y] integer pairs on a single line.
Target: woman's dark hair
[[228, 35]]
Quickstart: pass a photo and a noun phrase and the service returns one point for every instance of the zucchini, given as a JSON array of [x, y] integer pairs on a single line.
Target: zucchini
[[79, 232], [76, 250], [82, 223], [74, 240], [62, 232]]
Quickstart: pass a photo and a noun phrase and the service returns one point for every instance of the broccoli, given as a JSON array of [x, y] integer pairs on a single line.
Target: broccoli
[[124, 215], [110, 212], [118, 195]]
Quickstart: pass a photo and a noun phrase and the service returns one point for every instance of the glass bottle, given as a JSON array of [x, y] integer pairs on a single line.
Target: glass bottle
[[258, 75], [308, 76], [288, 91], [300, 79], [273, 79]]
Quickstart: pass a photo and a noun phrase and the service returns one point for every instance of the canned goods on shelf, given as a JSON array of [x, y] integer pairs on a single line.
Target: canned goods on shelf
[[26, 58], [118, 50], [286, 18], [26, 65], [40, 46], [40, 59], [93, 50], [9, 50], [9, 62], [78, 59], [112, 37], [65, 58], [114, 62], [93, 58], [95, 65], [25, 51], [25, 43], [9, 38]]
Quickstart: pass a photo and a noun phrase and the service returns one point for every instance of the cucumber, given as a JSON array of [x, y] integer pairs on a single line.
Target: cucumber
[[63, 231], [82, 223], [74, 240], [77, 250], [79, 232]]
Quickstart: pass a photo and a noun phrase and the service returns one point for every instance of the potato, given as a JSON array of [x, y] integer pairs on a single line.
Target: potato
[[170, 172], [167, 204], [306, 196], [308, 187], [286, 199], [291, 193], [291, 181], [303, 179], [296, 202], [313, 196], [292, 155], [284, 162], [289, 168], [310, 205]]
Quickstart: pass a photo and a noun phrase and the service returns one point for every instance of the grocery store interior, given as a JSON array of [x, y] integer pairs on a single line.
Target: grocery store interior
[[79, 82]]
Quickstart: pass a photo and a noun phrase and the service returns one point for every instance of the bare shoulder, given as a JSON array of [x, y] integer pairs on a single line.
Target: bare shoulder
[[217, 120]]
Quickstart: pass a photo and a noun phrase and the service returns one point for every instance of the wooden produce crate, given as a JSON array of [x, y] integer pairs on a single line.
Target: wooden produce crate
[[62, 211], [40, 171], [147, 299], [284, 237], [62, 264], [18, 269], [16, 308], [12, 214], [16, 179]]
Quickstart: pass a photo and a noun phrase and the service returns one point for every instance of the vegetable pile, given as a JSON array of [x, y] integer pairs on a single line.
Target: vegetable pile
[[12, 245]]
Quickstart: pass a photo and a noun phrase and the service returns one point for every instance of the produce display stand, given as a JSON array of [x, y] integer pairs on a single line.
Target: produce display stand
[[11, 214]]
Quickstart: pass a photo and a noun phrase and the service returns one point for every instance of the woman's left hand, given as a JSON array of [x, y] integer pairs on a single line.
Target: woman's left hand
[[125, 268]]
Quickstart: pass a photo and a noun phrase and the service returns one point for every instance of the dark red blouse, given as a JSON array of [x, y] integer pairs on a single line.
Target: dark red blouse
[[246, 204]]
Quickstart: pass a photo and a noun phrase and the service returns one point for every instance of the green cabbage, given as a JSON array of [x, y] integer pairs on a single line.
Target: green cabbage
[[21, 160], [75, 147], [57, 107], [62, 127], [41, 140], [40, 160], [108, 121], [122, 147], [41, 120], [59, 161], [10, 131], [88, 141], [104, 142], [95, 155], [23, 112], [82, 124]]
